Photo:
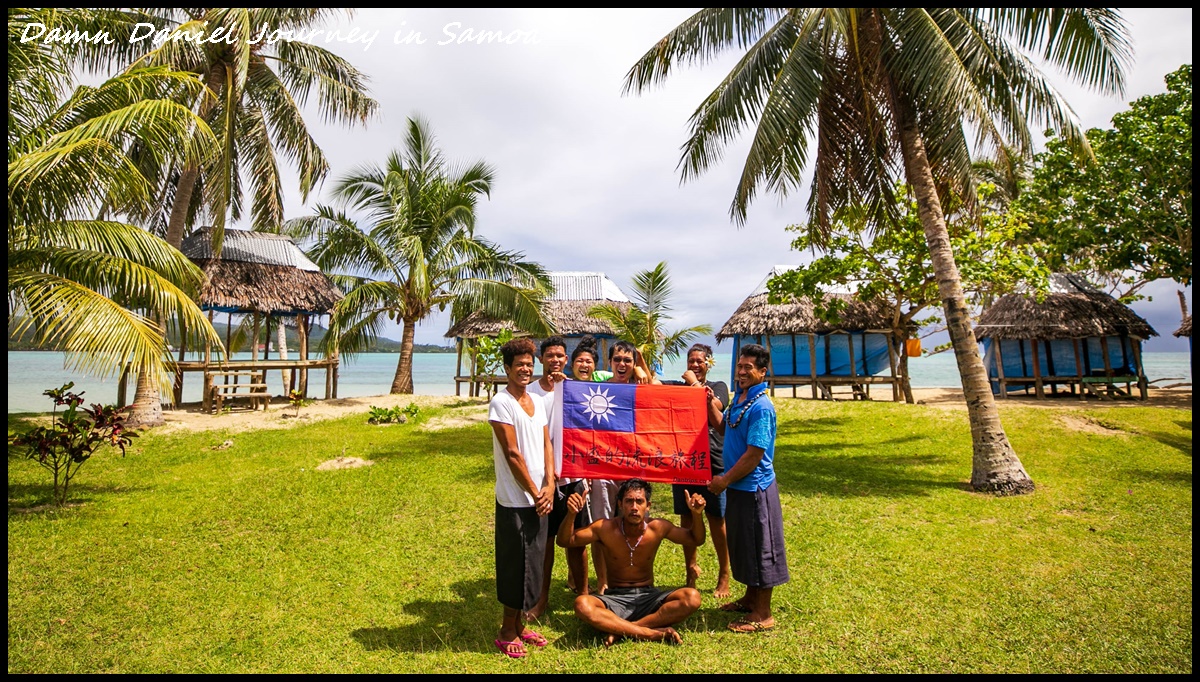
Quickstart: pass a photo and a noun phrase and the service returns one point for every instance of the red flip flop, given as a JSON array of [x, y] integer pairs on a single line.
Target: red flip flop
[[513, 649], [533, 638]]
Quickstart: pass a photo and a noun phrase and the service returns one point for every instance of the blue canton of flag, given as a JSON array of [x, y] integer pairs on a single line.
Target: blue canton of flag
[[598, 407]]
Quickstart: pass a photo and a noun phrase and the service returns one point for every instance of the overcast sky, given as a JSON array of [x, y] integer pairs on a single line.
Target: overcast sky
[[586, 178]]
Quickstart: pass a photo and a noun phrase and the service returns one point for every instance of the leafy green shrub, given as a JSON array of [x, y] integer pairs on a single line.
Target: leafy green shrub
[[71, 438], [392, 415], [298, 400], [488, 359]]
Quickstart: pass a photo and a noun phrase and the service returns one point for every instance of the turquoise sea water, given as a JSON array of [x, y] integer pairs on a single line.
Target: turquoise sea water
[[31, 372]]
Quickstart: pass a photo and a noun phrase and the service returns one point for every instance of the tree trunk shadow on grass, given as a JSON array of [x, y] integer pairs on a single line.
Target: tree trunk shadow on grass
[[855, 469]]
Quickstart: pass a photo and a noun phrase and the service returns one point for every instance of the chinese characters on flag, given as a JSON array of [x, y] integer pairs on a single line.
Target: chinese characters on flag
[[619, 431]]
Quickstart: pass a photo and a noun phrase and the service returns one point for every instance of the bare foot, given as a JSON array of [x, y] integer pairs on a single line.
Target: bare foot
[[601, 589], [693, 574], [611, 640], [669, 636], [722, 591], [536, 612]]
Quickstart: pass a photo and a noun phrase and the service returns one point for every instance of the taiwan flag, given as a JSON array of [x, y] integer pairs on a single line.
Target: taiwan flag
[[618, 431]]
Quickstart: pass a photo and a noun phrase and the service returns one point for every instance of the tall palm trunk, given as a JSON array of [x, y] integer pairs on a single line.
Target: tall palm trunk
[[147, 405], [179, 208], [403, 383], [281, 347], [995, 467], [148, 391]]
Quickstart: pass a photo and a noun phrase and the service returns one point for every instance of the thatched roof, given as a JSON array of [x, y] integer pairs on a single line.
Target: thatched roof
[[259, 272], [756, 316], [574, 294], [1074, 309], [1185, 329]]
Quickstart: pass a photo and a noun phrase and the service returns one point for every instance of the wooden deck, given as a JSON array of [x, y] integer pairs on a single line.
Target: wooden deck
[[223, 380]]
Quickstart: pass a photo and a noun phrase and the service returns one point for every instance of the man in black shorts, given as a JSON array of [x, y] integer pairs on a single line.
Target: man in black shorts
[[632, 606]]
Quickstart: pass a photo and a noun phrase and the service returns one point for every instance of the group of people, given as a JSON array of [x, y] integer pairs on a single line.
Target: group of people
[[536, 506]]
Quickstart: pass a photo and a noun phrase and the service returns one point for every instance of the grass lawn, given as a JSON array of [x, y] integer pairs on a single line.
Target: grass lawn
[[181, 558]]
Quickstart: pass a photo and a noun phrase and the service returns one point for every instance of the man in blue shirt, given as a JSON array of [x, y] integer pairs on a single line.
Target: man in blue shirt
[[753, 515]]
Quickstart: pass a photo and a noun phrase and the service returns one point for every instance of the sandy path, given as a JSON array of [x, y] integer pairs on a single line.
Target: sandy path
[[279, 416]]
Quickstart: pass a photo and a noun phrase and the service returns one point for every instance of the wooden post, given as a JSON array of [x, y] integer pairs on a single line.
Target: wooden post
[[207, 388], [1037, 370], [812, 362], [473, 387], [1050, 368], [1107, 367], [206, 384], [892, 360], [336, 362], [177, 392], [1079, 370], [229, 336], [850, 345], [458, 367], [207, 345], [1000, 369], [770, 368], [254, 341], [1143, 385], [305, 330]]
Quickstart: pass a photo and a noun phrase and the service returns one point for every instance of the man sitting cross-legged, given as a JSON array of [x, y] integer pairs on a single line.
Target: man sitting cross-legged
[[632, 606]]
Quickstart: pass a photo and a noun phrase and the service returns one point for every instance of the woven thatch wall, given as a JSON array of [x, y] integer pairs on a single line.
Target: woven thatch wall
[[1185, 329], [269, 289], [757, 316], [1061, 316], [569, 318]]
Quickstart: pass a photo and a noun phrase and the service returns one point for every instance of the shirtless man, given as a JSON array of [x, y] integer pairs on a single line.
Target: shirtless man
[[632, 606]]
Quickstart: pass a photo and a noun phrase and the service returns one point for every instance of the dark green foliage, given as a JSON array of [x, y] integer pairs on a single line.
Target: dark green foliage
[[71, 438], [1127, 216]]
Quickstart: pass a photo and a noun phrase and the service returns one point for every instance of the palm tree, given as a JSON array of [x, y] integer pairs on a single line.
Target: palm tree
[[93, 286], [1007, 172], [643, 324], [885, 91], [253, 100], [418, 252]]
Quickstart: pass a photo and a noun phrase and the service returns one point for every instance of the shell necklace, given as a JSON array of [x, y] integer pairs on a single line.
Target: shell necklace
[[636, 544], [745, 408]]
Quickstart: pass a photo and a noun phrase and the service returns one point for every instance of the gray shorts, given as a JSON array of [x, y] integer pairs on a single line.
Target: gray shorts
[[633, 603]]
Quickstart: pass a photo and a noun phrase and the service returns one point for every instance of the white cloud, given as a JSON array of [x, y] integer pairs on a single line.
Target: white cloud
[[586, 177]]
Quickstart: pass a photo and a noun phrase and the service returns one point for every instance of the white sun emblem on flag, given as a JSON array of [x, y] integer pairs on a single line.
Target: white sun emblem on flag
[[597, 404]]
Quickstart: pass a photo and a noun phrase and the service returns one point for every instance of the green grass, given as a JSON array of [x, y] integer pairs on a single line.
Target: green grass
[[185, 559]]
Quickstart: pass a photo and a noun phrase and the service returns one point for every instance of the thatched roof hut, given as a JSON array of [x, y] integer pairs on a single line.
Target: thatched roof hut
[[756, 316], [1185, 329], [1073, 309], [808, 350], [1078, 336], [574, 294], [261, 273], [266, 276]]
